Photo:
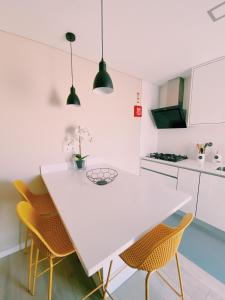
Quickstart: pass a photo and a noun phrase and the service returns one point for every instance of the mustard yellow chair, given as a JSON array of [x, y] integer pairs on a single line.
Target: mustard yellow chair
[[49, 237], [155, 249], [42, 203]]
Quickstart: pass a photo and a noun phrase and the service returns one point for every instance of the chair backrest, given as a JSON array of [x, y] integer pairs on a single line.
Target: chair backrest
[[23, 190], [34, 222], [166, 247]]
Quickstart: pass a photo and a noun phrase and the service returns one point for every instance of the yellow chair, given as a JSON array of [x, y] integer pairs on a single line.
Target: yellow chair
[[155, 249], [43, 203], [49, 237]]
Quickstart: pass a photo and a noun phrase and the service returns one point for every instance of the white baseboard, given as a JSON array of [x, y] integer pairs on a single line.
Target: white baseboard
[[12, 250], [202, 276]]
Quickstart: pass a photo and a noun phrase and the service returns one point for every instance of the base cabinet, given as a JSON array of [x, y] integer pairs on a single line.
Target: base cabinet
[[188, 182], [211, 200], [207, 191]]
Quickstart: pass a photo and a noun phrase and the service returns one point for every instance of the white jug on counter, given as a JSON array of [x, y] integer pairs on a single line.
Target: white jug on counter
[[217, 157]]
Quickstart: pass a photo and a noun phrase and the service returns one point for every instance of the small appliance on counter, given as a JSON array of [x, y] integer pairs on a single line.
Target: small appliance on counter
[[167, 156]]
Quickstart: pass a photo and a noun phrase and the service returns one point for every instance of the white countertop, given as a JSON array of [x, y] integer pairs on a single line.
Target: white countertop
[[103, 221], [190, 164]]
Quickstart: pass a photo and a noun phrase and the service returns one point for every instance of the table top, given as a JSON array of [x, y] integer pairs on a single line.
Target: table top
[[103, 221]]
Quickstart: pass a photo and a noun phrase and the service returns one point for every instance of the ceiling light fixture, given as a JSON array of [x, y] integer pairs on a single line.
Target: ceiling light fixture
[[103, 82], [72, 98]]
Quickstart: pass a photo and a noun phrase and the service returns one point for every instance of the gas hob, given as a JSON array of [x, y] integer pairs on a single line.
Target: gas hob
[[167, 156]]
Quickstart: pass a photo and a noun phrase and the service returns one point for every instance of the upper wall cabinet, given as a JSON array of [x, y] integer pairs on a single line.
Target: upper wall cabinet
[[207, 101]]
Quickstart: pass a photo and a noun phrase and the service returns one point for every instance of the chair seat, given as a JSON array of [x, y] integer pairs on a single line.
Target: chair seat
[[136, 255], [53, 231], [43, 204]]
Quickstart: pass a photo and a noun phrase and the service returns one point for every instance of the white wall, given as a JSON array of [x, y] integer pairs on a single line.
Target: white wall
[[34, 84], [183, 141], [149, 133]]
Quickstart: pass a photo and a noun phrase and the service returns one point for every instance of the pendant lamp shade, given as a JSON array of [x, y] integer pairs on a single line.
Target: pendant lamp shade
[[72, 98], [103, 83]]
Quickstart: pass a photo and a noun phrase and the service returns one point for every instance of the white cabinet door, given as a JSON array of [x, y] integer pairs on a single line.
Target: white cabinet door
[[168, 181], [207, 103], [188, 182], [211, 200]]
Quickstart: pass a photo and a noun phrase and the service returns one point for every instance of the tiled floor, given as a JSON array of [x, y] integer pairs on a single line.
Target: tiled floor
[[204, 245], [70, 282], [194, 289]]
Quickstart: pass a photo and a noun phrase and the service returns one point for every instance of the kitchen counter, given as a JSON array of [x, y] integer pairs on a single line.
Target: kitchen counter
[[194, 165]]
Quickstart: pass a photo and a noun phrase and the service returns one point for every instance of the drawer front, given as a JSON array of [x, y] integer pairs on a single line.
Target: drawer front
[[158, 178], [160, 168]]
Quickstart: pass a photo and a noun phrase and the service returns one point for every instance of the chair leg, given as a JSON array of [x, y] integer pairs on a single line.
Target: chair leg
[[107, 281], [35, 271], [100, 280], [147, 286], [180, 278], [50, 278], [26, 241], [30, 260]]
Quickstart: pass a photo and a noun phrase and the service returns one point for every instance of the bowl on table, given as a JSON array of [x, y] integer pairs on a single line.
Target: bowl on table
[[101, 176]]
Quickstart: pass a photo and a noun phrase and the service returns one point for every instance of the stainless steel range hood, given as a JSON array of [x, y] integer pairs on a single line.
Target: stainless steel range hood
[[171, 93], [171, 113]]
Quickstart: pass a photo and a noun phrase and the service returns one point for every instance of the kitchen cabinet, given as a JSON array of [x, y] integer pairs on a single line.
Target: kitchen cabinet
[[207, 104], [157, 178], [188, 182], [207, 190], [211, 200]]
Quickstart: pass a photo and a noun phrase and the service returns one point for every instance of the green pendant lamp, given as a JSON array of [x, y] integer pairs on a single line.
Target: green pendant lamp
[[72, 98], [103, 82]]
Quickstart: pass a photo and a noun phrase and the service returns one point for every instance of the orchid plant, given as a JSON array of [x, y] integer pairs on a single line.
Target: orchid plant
[[81, 134]]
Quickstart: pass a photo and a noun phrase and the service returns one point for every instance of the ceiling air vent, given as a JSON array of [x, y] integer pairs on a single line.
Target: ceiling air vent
[[217, 12]]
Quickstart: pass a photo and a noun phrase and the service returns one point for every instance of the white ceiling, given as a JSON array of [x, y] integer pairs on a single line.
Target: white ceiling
[[150, 39]]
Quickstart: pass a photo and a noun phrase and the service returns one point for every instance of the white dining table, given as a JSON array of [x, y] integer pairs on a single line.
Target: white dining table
[[103, 221]]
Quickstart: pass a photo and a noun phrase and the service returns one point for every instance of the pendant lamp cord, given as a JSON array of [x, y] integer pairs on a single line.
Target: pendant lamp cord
[[102, 24], [71, 61]]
